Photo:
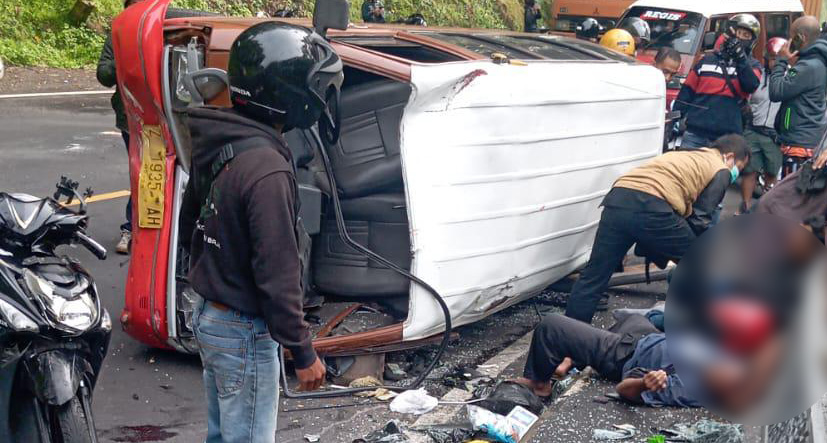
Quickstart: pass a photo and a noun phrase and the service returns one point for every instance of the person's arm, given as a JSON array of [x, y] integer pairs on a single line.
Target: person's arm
[[270, 208], [788, 85], [106, 65], [687, 93], [631, 389], [749, 75], [708, 201]]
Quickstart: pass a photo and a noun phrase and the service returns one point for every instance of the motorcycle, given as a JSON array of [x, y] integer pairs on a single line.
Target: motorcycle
[[54, 333]]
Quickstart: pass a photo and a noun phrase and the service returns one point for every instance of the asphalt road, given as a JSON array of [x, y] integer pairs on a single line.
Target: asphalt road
[[149, 395]]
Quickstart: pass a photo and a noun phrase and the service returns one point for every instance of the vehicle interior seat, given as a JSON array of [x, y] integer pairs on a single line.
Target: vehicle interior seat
[[378, 221], [366, 160]]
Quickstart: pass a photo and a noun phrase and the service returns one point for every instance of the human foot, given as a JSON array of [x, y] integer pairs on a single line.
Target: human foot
[[540, 389]]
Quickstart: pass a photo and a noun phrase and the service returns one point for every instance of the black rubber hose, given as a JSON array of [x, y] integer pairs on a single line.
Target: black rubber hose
[[340, 224]]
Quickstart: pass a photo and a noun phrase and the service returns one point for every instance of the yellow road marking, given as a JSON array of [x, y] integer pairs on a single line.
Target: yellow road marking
[[104, 197]]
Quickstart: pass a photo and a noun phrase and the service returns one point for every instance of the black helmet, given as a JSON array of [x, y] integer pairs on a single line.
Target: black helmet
[[638, 28], [589, 29], [285, 74]]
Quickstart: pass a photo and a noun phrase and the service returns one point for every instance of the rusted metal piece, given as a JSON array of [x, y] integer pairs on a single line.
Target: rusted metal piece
[[340, 317], [393, 347]]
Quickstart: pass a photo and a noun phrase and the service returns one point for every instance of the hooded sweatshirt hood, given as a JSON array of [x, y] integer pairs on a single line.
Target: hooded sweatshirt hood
[[211, 128]]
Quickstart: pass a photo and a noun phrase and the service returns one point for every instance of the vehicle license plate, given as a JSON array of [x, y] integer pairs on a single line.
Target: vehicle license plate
[[152, 181]]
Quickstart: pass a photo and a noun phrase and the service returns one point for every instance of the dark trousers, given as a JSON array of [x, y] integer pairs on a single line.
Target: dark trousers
[[128, 225], [663, 233], [558, 337]]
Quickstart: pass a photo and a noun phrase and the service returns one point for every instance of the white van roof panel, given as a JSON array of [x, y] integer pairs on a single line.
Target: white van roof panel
[[710, 8]]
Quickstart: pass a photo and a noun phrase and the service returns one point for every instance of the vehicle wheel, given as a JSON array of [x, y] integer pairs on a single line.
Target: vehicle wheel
[[72, 423]]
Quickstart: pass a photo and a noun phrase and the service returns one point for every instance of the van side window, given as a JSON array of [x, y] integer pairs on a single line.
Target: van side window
[[718, 24], [778, 25]]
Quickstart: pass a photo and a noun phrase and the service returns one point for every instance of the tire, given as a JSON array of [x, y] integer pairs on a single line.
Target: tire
[[72, 423]]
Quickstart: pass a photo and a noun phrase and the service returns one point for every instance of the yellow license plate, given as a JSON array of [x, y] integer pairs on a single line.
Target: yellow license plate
[[153, 177]]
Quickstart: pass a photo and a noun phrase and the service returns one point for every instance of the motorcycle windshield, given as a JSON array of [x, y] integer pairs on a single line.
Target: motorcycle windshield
[[24, 214]]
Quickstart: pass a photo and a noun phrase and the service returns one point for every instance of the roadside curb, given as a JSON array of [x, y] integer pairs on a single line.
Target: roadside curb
[[56, 94], [448, 413]]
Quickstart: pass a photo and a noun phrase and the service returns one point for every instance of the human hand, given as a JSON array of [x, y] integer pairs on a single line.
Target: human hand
[[821, 160], [311, 378], [785, 52], [655, 380]]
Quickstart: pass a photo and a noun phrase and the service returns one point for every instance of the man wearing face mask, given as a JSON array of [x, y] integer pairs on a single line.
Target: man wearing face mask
[[799, 81], [715, 92], [661, 206]]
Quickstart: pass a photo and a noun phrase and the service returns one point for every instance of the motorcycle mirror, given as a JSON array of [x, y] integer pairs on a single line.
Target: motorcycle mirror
[[331, 14]]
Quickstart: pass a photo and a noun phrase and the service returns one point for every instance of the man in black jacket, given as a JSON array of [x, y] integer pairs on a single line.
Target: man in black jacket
[[107, 77], [719, 85], [660, 206], [532, 14], [241, 207]]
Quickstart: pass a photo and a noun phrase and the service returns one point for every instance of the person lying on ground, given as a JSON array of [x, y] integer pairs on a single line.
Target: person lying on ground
[[632, 352], [661, 206]]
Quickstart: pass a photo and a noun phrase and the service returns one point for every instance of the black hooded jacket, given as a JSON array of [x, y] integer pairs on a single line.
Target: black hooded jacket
[[244, 250]]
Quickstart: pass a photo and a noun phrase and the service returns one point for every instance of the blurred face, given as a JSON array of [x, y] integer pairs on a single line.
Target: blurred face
[[771, 61], [669, 68], [736, 385]]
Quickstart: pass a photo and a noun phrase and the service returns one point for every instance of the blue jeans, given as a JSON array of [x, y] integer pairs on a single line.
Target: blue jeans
[[241, 372], [690, 140]]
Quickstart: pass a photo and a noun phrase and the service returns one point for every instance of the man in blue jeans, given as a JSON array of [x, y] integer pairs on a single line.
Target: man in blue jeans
[[241, 206], [107, 77]]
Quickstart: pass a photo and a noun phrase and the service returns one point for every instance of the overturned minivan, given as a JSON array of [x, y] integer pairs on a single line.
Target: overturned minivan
[[475, 159]]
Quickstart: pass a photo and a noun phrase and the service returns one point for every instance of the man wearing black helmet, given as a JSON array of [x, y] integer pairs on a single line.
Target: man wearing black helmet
[[241, 207], [589, 30], [715, 94]]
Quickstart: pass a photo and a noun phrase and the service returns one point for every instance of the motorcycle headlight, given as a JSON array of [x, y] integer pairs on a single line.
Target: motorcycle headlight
[[17, 320], [77, 313]]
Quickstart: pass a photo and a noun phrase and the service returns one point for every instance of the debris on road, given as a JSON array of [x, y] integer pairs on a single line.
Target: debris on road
[[390, 433], [507, 395], [365, 382], [394, 372], [704, 431], [380, 394], [414, 402], [495, 426], [449, 433], [620, 432]]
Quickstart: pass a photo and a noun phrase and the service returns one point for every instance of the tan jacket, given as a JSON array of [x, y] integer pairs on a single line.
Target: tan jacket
[[677, 177]]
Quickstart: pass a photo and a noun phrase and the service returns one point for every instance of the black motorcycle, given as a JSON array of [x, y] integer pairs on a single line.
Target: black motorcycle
[[54, 333]]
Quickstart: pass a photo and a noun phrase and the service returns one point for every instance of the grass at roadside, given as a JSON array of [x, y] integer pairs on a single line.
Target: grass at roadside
[[39, 32]]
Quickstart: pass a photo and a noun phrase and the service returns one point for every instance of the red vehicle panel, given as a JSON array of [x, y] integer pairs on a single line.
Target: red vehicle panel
[[138, 40]]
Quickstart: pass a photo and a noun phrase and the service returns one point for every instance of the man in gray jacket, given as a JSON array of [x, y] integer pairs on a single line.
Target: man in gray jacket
[[799, 82]]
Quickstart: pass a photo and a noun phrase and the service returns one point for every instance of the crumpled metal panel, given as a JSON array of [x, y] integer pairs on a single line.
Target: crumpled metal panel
[[505, 167]]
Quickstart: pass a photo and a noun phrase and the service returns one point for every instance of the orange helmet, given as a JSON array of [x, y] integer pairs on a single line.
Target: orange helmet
[[619, 40]]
